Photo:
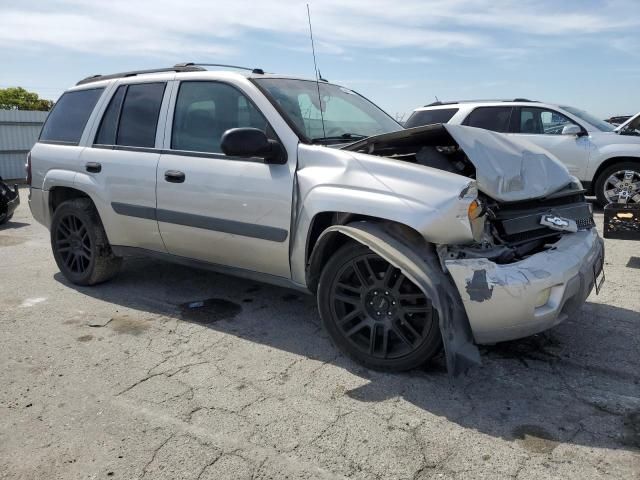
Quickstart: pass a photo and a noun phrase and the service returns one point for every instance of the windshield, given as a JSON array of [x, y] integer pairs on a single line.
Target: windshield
[[587, 117], [347, 115]]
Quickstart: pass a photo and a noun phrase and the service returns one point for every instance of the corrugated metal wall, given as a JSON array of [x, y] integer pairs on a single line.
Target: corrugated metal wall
[[19, 130]]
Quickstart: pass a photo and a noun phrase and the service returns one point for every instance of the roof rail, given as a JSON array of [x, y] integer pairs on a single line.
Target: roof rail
[[258, 71], [133, 73], [454, 102]]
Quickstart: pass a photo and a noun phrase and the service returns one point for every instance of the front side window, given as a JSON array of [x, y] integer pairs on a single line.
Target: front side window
[[587, 117], [205, 110], [496, 119], [68, 118], [428, 117], [345, 114], [131, 119], [540, 121]]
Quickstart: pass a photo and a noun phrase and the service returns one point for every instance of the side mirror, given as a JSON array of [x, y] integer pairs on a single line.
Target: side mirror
[[252, 142], [572, 130]]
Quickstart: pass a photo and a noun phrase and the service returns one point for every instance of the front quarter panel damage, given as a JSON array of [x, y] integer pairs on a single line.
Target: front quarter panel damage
[[418, 260]]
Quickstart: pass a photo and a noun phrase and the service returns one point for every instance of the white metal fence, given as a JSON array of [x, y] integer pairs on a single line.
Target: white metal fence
[[19, 130]]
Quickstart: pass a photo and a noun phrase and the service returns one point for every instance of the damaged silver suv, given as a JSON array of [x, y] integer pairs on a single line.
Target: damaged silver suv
[[411, 239]]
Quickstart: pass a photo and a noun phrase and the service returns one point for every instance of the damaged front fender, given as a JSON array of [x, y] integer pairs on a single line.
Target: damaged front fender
[[419, 262]]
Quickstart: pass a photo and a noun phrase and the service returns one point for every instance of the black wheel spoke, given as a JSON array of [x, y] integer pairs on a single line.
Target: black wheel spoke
[[399, 279], [350, 316], [406, 324], [388, 275], [362, 278], [349, 288], [356, 328], [347, 299], [400, 334], [411, 296], [417, 309]]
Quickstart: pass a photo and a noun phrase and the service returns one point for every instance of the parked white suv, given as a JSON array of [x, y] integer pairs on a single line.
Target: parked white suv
[[410, 239], [607, 163]]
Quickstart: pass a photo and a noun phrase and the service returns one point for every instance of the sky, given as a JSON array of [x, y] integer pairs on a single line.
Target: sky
[[399, 54]]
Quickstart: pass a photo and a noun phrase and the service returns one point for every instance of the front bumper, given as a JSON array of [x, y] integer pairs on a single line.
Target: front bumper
[[501, 301]]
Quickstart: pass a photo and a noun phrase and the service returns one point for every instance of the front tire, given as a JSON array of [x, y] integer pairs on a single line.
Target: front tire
[[79, 243], [621, 178], [4, 218], [374, 314]]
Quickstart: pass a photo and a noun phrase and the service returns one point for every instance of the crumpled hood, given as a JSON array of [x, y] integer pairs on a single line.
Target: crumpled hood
[[507, 169]]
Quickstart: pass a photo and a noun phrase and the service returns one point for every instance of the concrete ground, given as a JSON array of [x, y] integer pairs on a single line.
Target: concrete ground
[[125, 381]]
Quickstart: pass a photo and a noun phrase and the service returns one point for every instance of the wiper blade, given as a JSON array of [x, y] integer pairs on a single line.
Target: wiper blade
[[344, 136]]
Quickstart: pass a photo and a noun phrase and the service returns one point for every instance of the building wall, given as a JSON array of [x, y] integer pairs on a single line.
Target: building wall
[[19, 130]]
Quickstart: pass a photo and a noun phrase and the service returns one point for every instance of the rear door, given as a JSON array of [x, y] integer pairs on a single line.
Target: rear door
[[122, 163], [224, 210]]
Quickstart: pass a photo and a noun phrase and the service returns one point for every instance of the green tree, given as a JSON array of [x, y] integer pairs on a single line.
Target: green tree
[[17, 98]]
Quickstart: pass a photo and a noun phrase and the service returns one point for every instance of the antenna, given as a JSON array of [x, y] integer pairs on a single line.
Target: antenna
[[437, 99], [315, 67]]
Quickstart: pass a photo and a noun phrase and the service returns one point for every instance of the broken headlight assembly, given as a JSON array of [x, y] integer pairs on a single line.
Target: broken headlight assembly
[[477, 216]]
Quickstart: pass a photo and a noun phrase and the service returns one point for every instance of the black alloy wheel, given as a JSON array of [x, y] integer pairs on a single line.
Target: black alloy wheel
[[73, 242], [375, 313]]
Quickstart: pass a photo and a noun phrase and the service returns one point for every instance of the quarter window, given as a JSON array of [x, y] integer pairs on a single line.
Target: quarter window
[[109, 125], [205, 110], [541, 121], [490, 118], [68, 118]]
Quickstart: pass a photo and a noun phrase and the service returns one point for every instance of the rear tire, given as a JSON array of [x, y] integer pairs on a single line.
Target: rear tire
[[374, 314], [79, 243], [603, 184]]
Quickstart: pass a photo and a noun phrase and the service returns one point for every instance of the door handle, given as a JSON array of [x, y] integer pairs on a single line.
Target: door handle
[[174, 176], [93, 167]]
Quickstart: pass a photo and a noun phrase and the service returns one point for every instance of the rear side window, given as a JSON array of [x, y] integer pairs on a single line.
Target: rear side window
[[428, 117], [131, 118], [490, 118], [139, 117], [68, 118]]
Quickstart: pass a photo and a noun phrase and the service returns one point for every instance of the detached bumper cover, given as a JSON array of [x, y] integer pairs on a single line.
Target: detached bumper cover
[[505, 302]]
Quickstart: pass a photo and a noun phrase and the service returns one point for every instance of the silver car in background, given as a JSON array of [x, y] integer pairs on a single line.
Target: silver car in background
[[410, 239]]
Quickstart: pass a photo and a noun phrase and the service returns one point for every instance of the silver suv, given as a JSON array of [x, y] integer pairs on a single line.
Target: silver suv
[[605, 159], [410, 239]]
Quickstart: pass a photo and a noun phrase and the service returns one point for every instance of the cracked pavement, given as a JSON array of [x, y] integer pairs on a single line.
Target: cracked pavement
[[132, 379]]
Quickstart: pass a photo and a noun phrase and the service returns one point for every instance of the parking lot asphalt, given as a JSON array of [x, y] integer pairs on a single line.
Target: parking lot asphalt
[[167, 372]]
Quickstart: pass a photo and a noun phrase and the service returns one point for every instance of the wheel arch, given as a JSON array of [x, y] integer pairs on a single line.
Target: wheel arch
[[323, 240], [607, 163]]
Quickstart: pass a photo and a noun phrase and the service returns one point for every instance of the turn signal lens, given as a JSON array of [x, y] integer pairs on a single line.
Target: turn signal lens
[[475, 210]]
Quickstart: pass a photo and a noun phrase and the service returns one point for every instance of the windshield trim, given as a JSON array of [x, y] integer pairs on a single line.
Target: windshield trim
[[301, 135]]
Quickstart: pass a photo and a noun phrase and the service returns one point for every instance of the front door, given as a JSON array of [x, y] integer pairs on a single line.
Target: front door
[[224, 210], [543, 127]]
